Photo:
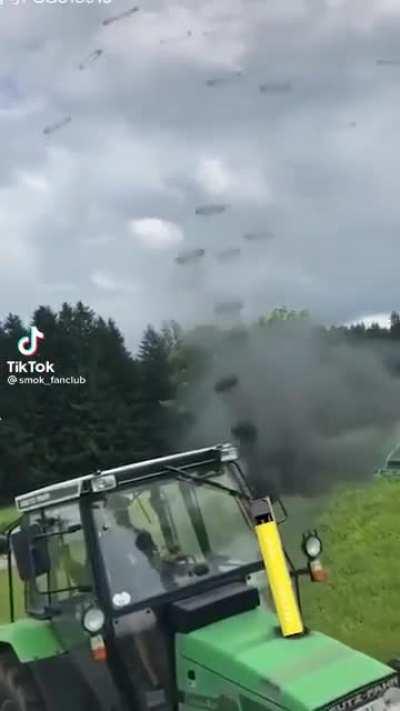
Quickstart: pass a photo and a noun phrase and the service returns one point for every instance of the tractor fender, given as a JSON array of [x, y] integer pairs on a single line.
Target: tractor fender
[[30, 640]]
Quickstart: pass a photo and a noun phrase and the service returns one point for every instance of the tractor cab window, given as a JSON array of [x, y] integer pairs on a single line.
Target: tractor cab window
[[161, 536], [59, 532]]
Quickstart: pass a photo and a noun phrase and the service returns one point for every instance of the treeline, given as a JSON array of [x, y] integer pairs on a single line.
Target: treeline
[[48, 433], [128, 409]]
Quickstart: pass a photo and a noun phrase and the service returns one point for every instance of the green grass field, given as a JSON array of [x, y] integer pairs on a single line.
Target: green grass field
[[360, 529], [8, 514]]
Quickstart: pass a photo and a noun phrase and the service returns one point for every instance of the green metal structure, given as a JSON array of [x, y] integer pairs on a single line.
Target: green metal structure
[[145, 589], [391, 468]]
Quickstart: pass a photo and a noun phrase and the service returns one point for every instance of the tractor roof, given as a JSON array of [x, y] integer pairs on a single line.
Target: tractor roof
[[112, 478]]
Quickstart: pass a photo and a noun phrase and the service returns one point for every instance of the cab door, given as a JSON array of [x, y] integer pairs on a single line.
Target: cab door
[[64, 594]]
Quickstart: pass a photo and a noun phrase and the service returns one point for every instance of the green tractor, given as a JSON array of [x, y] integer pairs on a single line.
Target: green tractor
[[163, 586], [391, 468]]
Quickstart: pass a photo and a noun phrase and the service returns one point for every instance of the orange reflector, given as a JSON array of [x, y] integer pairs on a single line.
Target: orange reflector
[[98, 647], [317, 572]]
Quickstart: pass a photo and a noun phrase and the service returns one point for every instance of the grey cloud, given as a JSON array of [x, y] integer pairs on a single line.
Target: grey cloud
[[315, 166]]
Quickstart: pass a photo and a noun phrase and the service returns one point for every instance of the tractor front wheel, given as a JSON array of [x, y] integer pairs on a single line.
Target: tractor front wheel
[[18, 691]]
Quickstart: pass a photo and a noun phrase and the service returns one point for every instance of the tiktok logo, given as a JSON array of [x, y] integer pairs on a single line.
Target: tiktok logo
[[28, 345]]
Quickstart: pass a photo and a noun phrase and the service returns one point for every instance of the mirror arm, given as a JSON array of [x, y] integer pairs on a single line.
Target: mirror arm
[[284, 511], [302, 571], [78, 588], [52, 611], [72, 529], [10, 577]]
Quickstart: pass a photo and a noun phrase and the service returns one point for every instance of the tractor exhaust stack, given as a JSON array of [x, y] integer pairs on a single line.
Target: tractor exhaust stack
[[276, 570]]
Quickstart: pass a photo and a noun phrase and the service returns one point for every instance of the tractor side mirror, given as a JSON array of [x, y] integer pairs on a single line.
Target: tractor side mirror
[[4, 545], [31, 553]]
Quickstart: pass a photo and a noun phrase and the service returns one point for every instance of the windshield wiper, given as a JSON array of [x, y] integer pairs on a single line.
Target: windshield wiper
[[206, 482], [184, 476]]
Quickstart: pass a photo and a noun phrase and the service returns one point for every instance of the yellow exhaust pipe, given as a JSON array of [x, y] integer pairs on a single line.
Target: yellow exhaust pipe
[[276, 569]]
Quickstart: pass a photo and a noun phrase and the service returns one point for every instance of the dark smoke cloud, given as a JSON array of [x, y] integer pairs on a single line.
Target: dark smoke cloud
[[321, 409]]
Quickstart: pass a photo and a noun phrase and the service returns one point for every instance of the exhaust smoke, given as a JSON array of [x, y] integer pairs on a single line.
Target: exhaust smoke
[[309, 407]]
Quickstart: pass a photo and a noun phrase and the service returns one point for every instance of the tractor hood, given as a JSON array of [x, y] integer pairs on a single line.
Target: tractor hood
[[301, 673]]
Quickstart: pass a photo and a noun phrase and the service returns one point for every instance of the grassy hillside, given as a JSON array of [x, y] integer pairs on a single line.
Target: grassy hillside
[[8, 514], [360, 603]]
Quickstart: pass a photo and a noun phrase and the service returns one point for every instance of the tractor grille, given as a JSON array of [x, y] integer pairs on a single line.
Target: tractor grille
[[362, 697]]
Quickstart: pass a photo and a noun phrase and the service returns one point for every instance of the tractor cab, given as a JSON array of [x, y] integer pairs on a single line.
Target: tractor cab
[[114, 559], [142, 592]]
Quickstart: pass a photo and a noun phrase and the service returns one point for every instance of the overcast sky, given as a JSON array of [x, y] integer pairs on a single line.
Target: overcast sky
[[99, 209]]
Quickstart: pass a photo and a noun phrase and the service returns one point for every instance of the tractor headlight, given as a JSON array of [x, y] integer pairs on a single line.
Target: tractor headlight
[[312, 546], [93, 620]]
